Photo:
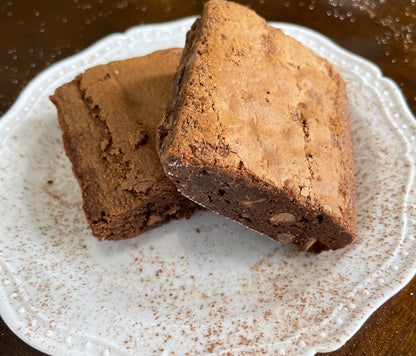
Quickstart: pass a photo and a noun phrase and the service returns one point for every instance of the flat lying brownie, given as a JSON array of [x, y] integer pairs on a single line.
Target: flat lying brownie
[[109, 116], [257, 129]]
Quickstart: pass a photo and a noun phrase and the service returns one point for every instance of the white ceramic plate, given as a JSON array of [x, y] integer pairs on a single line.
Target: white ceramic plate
[[205, 284]]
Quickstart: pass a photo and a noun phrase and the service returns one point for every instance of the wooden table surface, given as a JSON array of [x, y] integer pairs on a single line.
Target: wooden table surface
[[36, 33]]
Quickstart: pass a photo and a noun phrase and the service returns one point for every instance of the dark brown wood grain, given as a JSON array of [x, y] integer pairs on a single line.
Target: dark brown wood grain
[[36, 33]]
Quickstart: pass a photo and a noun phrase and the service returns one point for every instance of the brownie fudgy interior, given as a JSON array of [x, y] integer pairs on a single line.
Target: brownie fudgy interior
[[257, 129], [109, 116]]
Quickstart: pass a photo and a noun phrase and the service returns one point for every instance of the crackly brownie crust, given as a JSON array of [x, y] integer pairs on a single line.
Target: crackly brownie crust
[[108, 117], [257, 129]]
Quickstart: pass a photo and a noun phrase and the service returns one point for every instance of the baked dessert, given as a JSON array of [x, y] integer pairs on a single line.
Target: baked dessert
[[257, 129], [109, 116]]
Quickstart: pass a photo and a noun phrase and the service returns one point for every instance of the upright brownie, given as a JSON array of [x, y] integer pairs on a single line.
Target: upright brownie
[[257, 129], [109, 116]]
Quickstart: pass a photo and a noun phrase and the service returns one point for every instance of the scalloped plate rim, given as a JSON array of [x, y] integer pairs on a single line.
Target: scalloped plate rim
[[375, 70]]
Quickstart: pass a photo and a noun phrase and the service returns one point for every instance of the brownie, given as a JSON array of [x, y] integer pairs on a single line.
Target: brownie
[[257, 129], [108, 116]]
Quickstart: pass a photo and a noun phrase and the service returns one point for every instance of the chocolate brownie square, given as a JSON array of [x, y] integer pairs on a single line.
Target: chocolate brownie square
[[257, 129], [109, 116]]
